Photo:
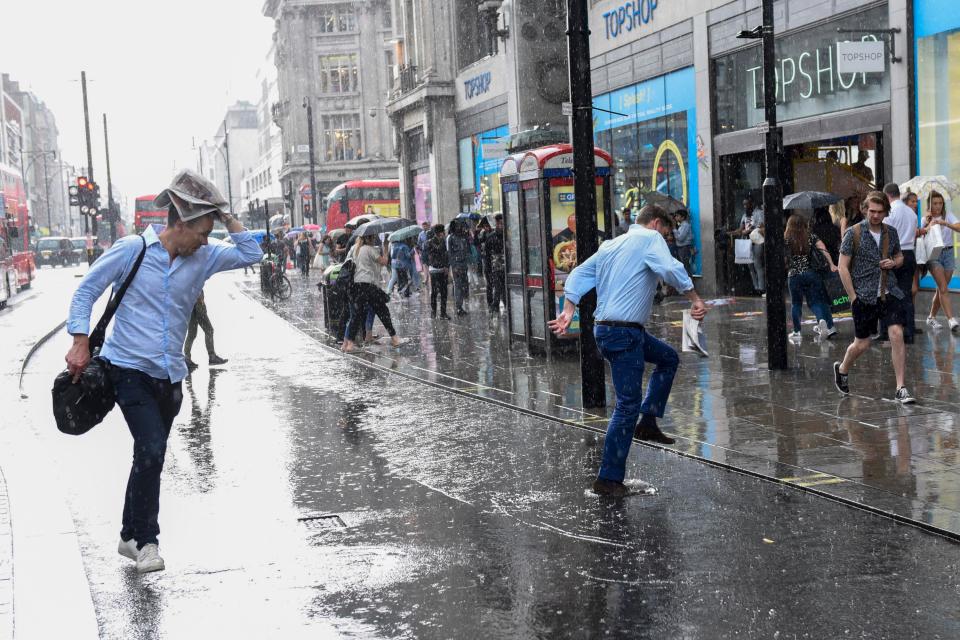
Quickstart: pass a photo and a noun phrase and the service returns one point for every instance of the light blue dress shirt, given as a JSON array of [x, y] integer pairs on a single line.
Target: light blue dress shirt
[[151, 322], [625, 272]]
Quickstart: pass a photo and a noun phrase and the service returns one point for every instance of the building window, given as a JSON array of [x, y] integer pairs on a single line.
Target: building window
[[341, 136], [338, 73], [475, 32], [388, 15], [391, 66], [337, 18]]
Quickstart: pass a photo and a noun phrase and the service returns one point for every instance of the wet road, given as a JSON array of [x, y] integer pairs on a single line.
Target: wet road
[[457, 519], [728, 408]]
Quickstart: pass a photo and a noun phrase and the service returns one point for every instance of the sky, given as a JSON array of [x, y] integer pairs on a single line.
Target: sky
[[164, 72]]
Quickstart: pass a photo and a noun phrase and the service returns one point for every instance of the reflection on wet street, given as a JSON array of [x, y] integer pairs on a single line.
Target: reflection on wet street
[[307, 495], [728, 408]]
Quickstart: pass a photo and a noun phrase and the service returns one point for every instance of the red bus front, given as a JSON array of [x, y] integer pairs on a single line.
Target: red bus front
[[16, 260], [357, 197], [146, 213]]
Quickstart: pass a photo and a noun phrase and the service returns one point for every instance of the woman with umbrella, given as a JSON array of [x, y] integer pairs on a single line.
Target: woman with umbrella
[[941, 268], [366, 292]]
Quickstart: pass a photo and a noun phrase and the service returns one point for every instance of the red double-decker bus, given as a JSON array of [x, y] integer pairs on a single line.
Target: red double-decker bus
[[357, 197], [17, 264], [146, 213]]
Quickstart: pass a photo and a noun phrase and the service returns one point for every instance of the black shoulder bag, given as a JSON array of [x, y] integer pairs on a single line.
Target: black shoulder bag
[[79, 407]]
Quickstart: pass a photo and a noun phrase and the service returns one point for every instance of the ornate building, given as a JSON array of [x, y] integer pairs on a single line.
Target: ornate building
[[338, 57]]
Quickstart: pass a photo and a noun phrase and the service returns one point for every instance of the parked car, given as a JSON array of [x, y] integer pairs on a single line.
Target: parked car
[[79, 249], [54, 250]]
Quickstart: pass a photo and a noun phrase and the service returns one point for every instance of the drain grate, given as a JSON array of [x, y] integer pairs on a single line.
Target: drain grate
[[323, 522]]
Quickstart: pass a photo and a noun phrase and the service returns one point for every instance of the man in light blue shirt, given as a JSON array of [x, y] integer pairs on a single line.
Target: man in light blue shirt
[[625, 272], [145, 348]]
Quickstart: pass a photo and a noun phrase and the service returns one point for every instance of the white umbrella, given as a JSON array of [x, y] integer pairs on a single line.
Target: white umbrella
[[923, 185]]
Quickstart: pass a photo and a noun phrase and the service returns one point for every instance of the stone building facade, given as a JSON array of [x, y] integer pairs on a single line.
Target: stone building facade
[[337, 56]]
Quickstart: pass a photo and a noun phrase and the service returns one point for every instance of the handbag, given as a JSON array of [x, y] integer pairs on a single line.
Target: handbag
[[837, 296], [920, 253], [79, 407], [756, 236], [818, 261], [743, 251], [934, 243]]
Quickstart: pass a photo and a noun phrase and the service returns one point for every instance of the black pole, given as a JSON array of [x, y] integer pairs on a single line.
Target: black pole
[[313, 174], [112, 214], [592, 384], [46, 189], [88, 227], [772, 204], [226, 146]]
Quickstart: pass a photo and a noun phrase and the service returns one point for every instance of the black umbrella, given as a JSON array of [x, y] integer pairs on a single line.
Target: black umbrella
[[669, 204], [382, 225], [809, 200]]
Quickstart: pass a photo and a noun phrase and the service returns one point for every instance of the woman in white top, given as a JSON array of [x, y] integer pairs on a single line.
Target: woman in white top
[[939, 219], [366, 292]]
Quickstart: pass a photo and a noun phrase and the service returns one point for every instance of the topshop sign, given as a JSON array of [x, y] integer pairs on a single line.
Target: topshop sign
[[632, 14], [615, 23]]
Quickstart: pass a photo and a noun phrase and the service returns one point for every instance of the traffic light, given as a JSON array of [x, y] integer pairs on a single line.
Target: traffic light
[[95, 196], [87, 196], [74, 195]]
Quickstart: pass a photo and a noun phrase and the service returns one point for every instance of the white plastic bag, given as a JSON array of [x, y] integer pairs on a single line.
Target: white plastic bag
[[743, 251], [920, 250], [694, 340], [933, 242]]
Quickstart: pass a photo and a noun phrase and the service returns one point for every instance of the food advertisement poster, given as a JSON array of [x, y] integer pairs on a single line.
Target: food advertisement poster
[[563, 233]]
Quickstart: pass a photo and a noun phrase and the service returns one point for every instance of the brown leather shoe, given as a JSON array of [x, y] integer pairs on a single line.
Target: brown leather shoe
[[609, 488]]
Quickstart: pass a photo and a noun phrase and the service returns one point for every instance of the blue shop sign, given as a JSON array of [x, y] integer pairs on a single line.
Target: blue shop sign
[[631, 15], [478, 85]]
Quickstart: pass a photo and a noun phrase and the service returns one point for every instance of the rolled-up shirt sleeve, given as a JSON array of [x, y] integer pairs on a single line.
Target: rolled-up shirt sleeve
[[106, 270], [581, 280], [244, 252], [668, 268]]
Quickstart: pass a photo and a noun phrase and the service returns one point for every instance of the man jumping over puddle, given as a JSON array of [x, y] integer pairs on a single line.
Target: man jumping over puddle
[[625, 273]]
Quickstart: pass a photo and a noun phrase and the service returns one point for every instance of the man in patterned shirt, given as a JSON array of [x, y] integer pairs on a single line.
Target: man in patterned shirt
[[868, 255]]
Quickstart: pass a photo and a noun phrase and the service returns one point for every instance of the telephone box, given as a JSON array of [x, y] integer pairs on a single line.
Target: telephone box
[[540, 233]]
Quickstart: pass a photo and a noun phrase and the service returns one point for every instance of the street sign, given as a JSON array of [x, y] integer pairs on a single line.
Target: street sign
[[566, 108], [306, 192], [868, 56], [303, 148]]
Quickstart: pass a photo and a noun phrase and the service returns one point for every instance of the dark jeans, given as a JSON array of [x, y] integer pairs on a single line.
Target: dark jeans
[[809, 286], [199, 318], [498, 284], [461, 286], [904, 276], [438, 287], [627, 349], [365, 296], [487, 276], [149, 406]]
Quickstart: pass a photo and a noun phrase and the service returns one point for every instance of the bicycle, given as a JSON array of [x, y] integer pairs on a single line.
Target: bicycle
[[274, 283]]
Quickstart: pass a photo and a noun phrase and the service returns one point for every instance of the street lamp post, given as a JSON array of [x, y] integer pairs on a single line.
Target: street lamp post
[[313, 176], [226, 146], [593, 387], [772, 197]]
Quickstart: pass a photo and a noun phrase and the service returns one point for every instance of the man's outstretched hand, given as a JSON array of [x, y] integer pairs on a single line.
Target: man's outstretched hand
[[562, 322]]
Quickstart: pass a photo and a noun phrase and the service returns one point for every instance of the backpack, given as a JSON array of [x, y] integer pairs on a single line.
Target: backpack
[[344, 281]]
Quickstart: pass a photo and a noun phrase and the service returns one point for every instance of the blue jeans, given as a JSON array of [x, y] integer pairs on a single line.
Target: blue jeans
[[149, 406], [808, 285], [627, 350]]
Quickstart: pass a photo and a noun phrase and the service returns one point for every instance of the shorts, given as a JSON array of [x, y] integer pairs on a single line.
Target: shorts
[[946, 260], [866, 317]]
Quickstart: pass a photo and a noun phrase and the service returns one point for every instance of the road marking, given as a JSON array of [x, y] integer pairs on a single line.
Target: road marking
[[814, 480]]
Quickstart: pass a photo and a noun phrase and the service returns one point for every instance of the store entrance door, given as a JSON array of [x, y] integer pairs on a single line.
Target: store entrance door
[[741, 177]]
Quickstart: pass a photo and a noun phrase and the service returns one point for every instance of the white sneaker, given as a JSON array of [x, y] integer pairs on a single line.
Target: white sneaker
[[148, 559], [128, 549], [933, 323], [904, 397], [954, 325], [795, 335]]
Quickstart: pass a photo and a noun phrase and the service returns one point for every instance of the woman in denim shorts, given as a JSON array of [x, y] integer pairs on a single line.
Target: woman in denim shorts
[[939, 220]]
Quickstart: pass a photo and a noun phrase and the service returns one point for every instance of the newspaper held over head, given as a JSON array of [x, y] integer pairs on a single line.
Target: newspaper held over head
[[192, 196], [694, 339]]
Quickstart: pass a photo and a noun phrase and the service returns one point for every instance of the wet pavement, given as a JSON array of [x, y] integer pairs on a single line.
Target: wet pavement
[[729, 408], [308, 495]]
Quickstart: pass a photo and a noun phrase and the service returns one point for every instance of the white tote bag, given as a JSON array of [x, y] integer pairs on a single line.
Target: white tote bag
[[933, 242], [920, 253], [743, 251]]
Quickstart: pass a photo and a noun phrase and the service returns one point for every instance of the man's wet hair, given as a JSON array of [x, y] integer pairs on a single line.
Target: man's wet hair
[[892, 189], [652, 212], [438, 228], [877, 197]]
